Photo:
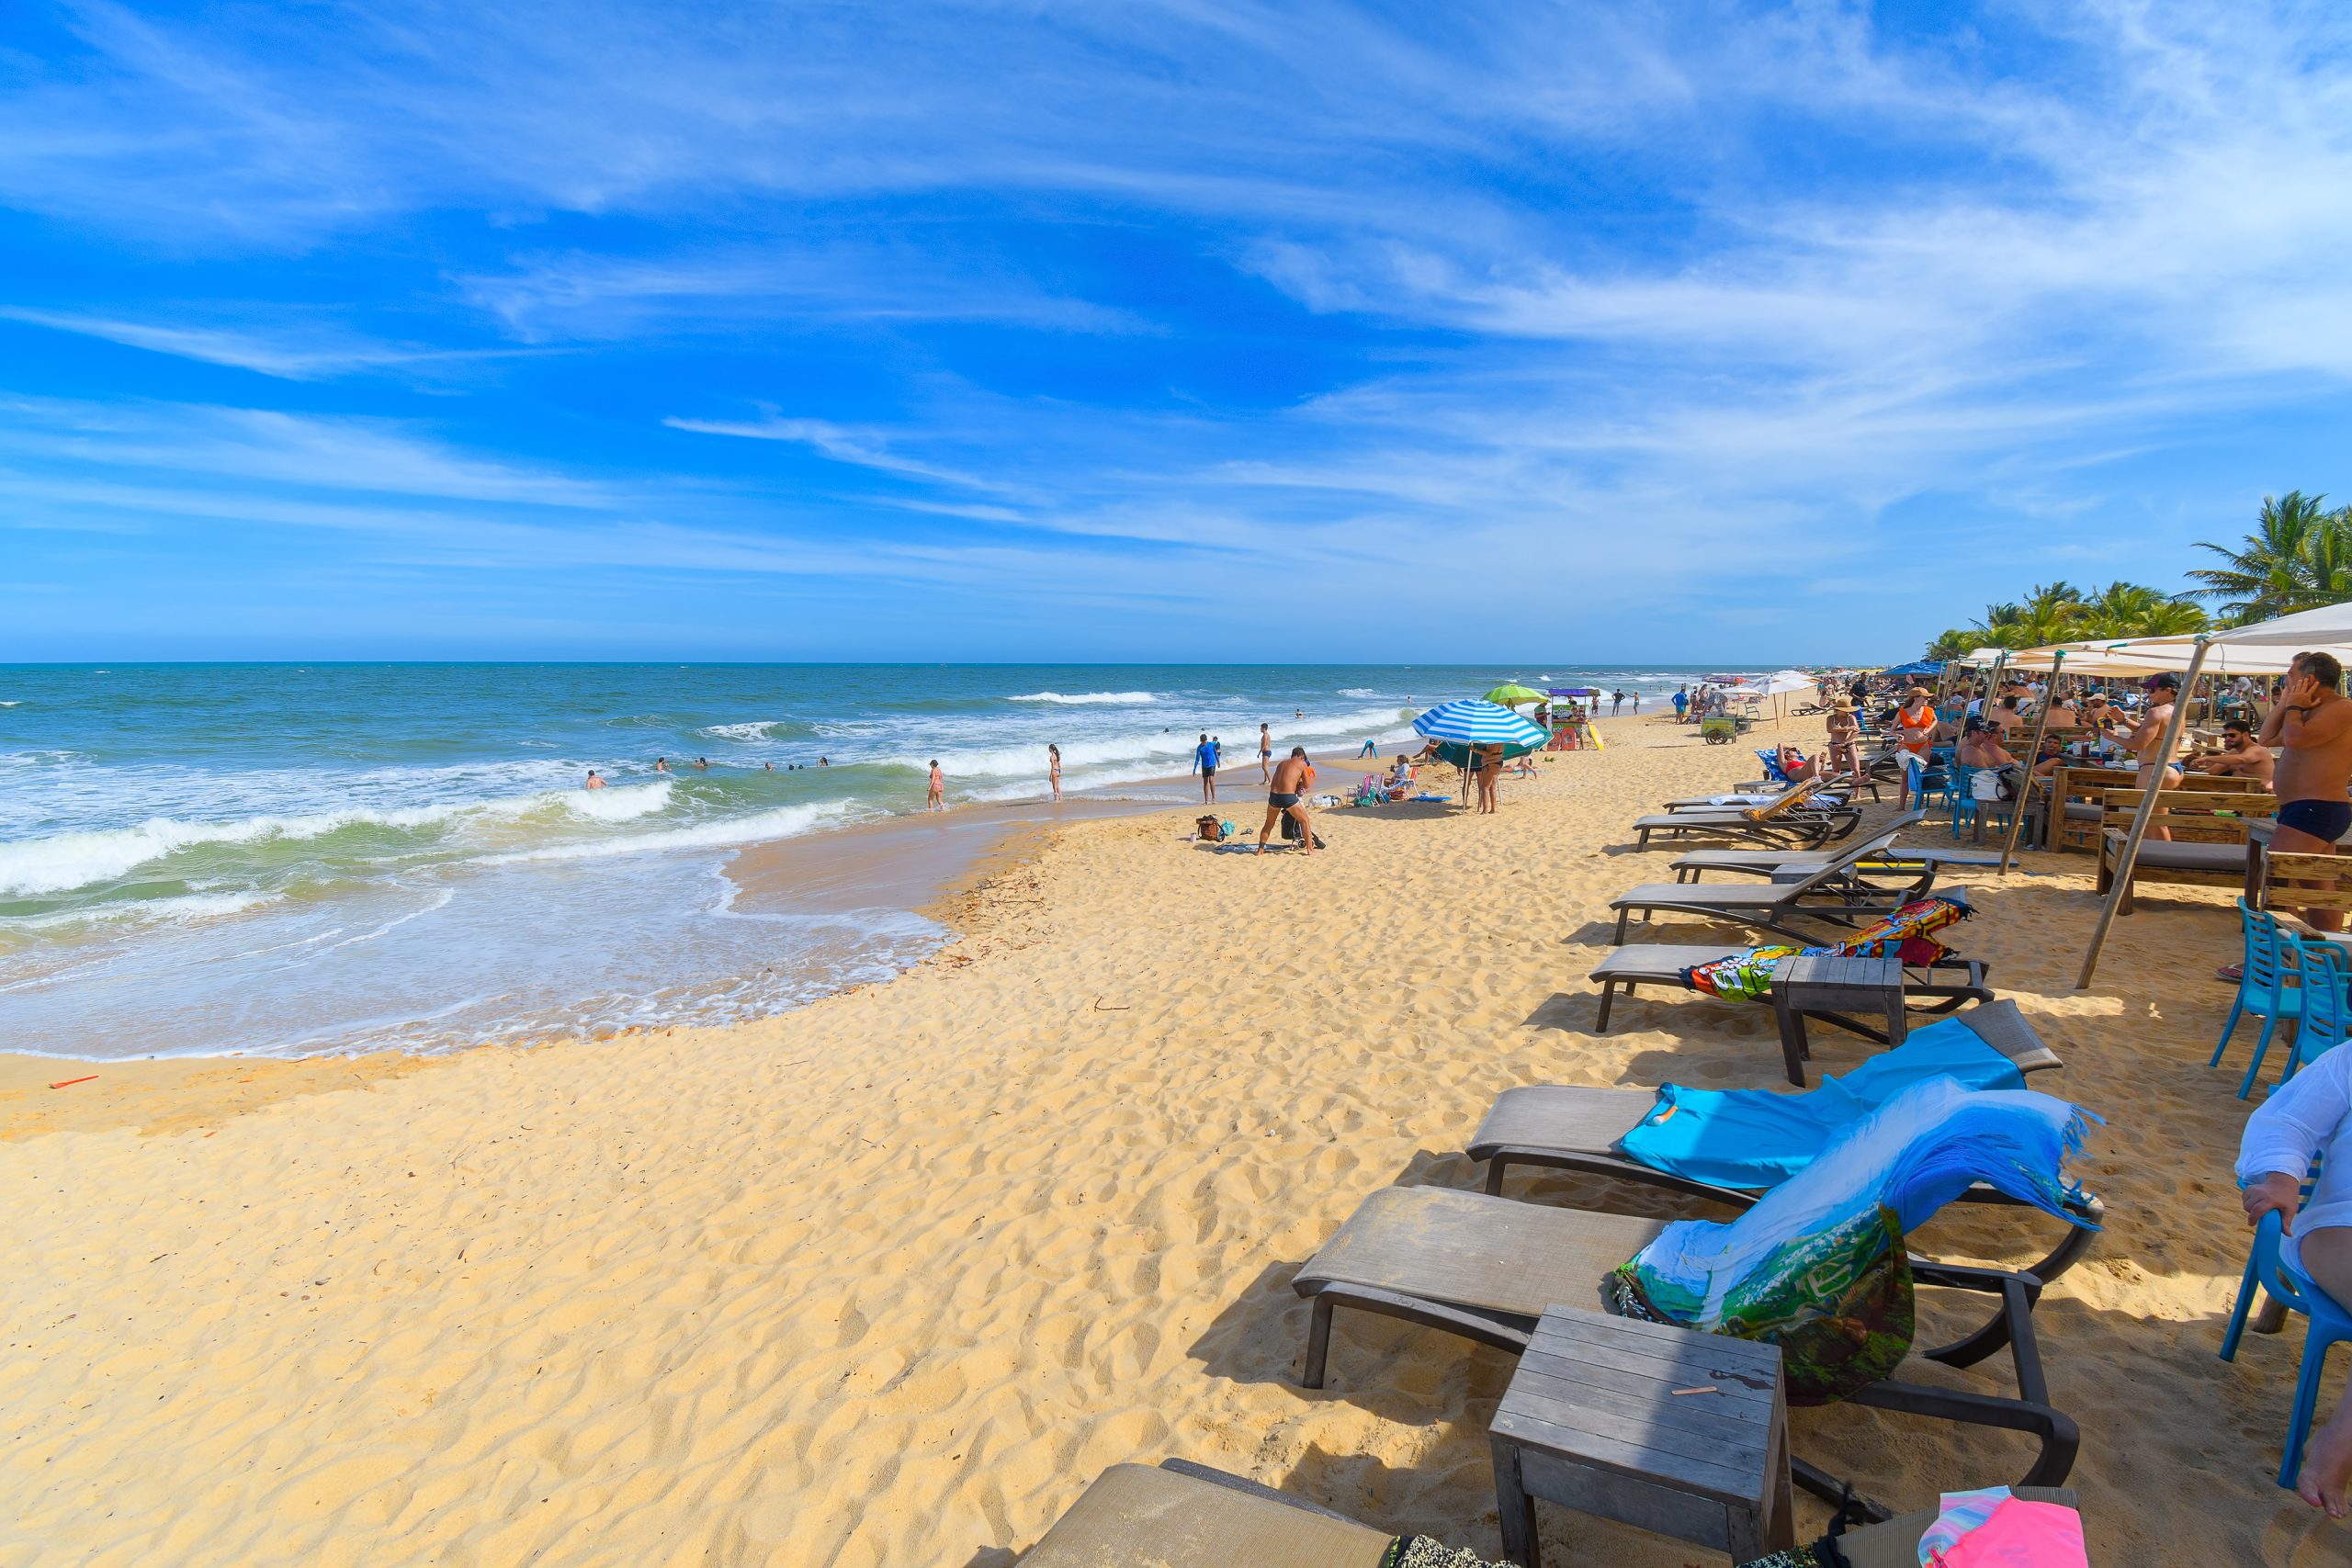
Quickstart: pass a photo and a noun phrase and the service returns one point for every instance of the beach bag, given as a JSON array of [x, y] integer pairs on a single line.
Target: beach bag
[[1986, 785], [1210, 830]]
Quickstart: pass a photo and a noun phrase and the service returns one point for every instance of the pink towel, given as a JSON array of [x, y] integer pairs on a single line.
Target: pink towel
[[2022, 1535]]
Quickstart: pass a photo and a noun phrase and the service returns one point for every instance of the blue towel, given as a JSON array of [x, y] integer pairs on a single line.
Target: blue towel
[[1754, 1138]]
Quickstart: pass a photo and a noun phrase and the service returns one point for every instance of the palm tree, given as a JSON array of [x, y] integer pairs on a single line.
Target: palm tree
[[2132, 609], [2276, 571]]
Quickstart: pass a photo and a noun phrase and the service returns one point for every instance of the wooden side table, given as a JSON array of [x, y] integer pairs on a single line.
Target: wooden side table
[[1680, 1433], [1831, 986]]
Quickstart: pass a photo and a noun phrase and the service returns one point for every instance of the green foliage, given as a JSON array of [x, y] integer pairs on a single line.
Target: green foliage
[[2060, 611], [2298, 557]]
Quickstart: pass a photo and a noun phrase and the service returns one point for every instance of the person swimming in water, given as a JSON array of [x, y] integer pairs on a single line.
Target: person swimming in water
[[661, 764], [594, 782]]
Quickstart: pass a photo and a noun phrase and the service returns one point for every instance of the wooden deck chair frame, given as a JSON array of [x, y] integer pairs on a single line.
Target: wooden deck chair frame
[[2301, 880], [1398, 1221], [1837, 893], [1576, 1128]]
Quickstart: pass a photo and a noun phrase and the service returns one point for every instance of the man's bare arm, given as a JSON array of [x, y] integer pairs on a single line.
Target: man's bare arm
[[2329, 721]]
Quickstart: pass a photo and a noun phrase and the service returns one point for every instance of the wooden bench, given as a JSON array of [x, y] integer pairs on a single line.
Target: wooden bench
[[2208, 845], [2077, 817], [2304, 882]]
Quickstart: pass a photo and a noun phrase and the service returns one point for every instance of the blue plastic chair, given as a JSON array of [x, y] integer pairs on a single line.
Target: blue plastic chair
[[2326, 1018], [2329, 1323], [1966, 808], [2265, 987]]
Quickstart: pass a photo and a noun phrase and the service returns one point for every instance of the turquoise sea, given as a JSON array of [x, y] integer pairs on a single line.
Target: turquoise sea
[[284, 859]]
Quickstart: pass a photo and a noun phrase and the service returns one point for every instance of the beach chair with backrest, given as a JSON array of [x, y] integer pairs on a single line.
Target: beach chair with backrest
[[2331, 1325], [1486, 1269], [2208, 847], [1583, 1128], [2268, 986], [1786, 821], [1692, 865], [1837, 892]]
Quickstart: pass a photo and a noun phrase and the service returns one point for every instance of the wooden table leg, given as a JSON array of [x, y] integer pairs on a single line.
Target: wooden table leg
[[1514, 1508]]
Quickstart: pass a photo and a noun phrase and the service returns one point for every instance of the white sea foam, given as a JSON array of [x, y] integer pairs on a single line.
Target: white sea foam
[[63, 861], [1128, 699], [783, 822], [190, 907], [752, 729], [1358, 692], [617, 803]]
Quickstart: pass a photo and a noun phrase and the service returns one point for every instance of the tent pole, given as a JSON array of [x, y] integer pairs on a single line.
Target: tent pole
[[2032, 755], [2140, 821]]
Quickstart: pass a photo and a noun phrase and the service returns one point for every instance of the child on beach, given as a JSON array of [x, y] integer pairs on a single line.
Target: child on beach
[[938, 801]]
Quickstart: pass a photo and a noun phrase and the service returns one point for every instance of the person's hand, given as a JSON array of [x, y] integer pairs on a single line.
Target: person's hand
[[2302, 690], [2278, 1191]]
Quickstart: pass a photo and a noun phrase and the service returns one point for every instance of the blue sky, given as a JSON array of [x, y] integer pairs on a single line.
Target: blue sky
[[1149, 331]]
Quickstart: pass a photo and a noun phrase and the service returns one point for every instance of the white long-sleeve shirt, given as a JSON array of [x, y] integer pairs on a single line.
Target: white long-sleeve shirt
[[2310, 1113]]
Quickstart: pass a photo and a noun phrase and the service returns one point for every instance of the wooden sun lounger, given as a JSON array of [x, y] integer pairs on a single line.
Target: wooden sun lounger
[[1787, 820], [1485, 1268], [1927, 989], [1573, 1127], [1833, 892], [1182, 1515]]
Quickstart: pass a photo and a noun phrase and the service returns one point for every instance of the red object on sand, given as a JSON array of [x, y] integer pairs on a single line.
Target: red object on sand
[[69, 1082]]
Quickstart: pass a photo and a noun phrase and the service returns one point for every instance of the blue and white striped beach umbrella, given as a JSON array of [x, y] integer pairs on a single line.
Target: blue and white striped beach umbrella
[[1472, 722]]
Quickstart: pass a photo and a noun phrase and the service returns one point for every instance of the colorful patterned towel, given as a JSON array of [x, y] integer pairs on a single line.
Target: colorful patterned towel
[[1908, 933], [1817, 1266]]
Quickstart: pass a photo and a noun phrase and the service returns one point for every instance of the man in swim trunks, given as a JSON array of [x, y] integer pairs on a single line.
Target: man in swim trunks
[[2146, 742], [1289, 794], [1265, 754], [2239, 756], [1204, 758], [2311, 727]]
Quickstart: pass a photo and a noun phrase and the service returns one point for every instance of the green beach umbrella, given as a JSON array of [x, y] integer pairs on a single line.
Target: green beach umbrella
[[1512, 696]]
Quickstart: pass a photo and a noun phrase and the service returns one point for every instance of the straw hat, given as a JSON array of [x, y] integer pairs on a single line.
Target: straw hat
[[1920, 691], [1842, 704]]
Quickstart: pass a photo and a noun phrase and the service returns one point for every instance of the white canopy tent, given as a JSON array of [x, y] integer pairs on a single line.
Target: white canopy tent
[[2267, 647]]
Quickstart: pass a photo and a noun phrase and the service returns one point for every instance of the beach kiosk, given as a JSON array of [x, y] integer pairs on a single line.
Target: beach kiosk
[[1572, 719]]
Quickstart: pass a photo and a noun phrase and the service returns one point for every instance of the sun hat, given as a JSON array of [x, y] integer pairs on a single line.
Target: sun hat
[[1842, 704], [1919, 692]]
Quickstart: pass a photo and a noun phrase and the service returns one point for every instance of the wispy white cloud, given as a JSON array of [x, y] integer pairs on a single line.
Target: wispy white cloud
[[865, 449], [304, 355]]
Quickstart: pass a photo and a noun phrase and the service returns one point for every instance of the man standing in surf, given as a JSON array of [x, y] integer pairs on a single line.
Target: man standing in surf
[[1204, 758], [1265, 754]]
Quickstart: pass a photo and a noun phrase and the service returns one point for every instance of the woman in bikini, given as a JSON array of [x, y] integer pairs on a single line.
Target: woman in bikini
[[1054, 771]]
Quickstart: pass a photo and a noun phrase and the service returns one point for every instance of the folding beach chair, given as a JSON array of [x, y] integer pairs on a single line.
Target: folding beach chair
[[1486, 1269], [1572, 1127]]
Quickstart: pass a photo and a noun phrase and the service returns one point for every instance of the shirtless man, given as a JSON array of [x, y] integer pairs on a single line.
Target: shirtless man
[[594, 782], [1265, 754], [2239, 756], [1289, 794], [2146, 742], [2312, 726]]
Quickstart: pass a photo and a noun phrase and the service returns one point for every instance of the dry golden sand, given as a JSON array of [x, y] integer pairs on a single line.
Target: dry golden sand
[[889, 1280]]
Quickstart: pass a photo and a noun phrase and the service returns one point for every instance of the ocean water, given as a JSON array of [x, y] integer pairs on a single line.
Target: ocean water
[[281, 859]]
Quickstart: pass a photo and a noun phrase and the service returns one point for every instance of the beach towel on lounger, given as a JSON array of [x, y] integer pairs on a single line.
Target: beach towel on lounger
[[1752, 1137], [1817, 1266], [1908, 933]]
